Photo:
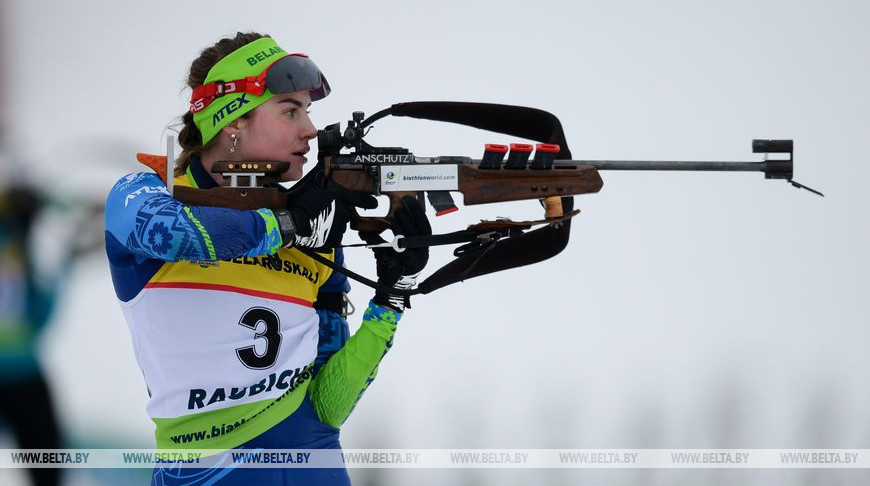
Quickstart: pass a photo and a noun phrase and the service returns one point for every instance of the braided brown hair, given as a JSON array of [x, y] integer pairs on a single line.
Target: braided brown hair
[[190, 138]]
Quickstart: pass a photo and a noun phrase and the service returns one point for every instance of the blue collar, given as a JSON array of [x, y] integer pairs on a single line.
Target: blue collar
[[200, 176]]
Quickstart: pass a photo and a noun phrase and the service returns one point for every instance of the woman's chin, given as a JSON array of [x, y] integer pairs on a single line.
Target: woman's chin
[[294, 174]]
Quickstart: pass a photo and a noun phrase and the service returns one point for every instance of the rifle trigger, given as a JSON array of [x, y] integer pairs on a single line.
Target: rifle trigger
[[489, 237]]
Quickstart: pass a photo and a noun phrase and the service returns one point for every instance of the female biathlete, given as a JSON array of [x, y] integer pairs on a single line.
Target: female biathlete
[[221, 304]]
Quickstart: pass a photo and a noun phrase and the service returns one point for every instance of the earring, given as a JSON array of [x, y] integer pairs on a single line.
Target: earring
[[235, 140]]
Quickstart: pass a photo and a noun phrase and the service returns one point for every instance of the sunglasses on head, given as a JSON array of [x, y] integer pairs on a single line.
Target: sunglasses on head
[[293, 72]]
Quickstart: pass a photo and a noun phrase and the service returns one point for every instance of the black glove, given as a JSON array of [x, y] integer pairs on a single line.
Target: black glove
[[399, 270], [317, 218]]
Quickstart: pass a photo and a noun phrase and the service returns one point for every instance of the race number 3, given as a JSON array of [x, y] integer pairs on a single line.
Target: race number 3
[[248, 355]]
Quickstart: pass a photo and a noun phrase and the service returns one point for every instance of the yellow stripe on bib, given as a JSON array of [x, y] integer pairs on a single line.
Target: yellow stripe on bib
[[288, 275]]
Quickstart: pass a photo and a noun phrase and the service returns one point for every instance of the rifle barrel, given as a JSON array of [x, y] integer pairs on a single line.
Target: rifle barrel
[[772, 169], [687, 165]]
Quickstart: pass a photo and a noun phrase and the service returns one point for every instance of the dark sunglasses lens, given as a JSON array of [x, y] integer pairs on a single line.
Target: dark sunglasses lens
[[296, 73]]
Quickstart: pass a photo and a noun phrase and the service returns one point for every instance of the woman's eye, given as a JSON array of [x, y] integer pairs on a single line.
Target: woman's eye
[[295, 112]]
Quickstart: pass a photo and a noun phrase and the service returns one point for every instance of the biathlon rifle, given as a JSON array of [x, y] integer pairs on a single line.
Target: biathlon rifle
[[503, 173]]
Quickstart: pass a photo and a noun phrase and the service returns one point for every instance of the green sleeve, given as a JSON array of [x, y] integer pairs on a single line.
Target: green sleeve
[[342, 380]]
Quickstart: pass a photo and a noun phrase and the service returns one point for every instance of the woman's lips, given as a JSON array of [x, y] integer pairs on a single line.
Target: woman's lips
[[299, 156]]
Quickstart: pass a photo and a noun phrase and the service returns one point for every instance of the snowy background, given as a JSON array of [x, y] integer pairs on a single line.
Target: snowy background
[[689, 310]]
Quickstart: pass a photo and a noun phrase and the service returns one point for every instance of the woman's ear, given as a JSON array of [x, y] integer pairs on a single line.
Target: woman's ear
[[231, 129]]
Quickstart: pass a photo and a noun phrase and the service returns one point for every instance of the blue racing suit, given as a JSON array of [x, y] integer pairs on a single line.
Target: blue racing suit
[[227, 330]]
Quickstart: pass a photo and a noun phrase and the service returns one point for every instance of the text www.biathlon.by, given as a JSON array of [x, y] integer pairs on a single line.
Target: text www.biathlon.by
[[50, 457]]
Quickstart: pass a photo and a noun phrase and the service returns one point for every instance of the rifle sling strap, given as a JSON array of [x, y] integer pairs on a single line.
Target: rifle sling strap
[[425, 241], [353, 275], [496, 254], [489, 257]]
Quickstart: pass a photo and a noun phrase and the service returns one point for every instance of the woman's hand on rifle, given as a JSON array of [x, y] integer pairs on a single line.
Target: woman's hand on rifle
[[399, 270], [317, 218]]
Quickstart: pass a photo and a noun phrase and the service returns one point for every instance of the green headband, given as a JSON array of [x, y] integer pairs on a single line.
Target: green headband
[[248, 60]]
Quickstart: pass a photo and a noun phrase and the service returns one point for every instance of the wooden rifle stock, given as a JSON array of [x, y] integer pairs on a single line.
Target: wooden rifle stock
[[478, 186], [243, 198]]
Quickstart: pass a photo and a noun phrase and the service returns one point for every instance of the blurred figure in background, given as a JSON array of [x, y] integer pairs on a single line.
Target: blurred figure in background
[[31, 281], [26, 303], [25, 308]]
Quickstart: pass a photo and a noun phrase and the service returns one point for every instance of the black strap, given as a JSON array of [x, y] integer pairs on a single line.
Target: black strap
[[525, 249], [513, 250], [462, 236], [516, 251], [494, 255], [355, 276], [518, 121], [470, 259]]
